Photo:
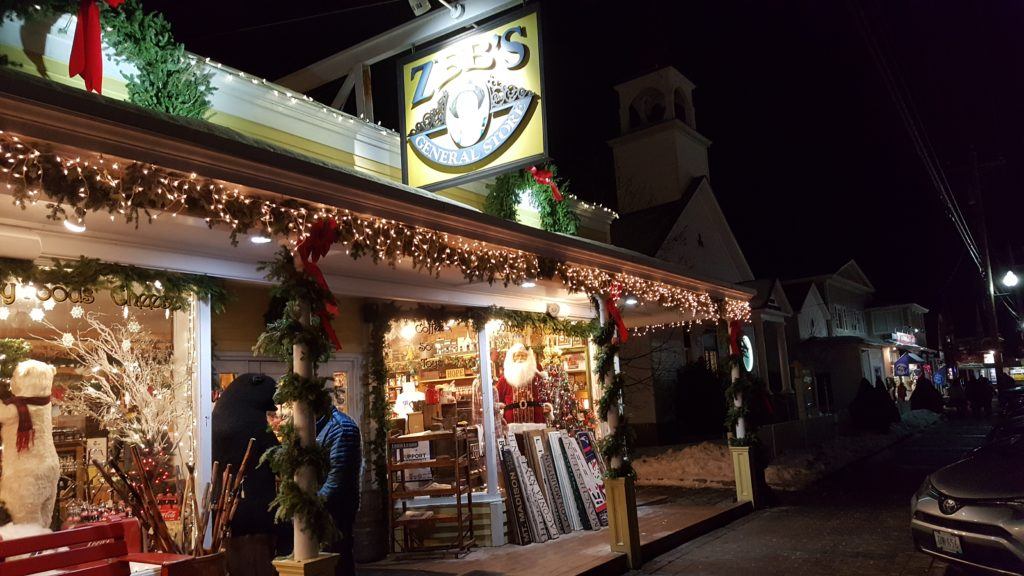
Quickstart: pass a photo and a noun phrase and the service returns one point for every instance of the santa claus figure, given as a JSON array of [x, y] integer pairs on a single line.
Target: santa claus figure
[[518, 389], [31, 469]]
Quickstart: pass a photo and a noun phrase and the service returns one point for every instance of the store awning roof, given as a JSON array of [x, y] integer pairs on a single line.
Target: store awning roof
[[48, 111], [909, 358]]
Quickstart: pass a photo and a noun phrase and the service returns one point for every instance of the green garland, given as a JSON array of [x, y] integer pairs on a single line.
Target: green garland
[[295, 288], [505, 194], [12, 351], [744, 386], [33, 169], [476, 318], [620, 442], [168, 80], [175, 288], [379, 413]]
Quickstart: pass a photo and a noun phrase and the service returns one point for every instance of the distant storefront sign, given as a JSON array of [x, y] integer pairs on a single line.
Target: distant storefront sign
[[473, 106], [904, 338], [901, 369]]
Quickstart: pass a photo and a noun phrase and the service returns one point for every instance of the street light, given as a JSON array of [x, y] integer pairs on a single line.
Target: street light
[[1010, 279]]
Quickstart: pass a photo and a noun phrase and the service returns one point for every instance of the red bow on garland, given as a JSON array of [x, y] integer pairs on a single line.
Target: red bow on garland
[[545, 178], [26, 435], [87, 50], [322, 235], [614, 293], [735, 332]]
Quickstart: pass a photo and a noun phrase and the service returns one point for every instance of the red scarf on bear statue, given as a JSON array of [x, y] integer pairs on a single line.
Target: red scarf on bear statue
[[26, 435]]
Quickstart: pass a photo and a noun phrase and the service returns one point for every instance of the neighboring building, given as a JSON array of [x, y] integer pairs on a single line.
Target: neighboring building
[[668, 210], [840, 338]]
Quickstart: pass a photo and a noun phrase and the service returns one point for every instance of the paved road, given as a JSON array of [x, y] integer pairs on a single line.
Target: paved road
[[853, 523]]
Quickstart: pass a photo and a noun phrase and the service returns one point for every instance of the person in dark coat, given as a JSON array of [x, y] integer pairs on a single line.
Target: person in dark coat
[[979, 394], [925, 396], [885, 399], [339, 434], [240, 414], [866, 411]]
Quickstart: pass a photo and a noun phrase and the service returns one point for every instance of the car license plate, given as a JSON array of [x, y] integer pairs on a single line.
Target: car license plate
[[948, 542]]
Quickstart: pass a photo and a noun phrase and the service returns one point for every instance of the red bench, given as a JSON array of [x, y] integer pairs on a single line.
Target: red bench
[[98, 550]]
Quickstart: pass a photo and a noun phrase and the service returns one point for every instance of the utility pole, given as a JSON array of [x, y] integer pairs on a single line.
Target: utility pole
[[979, 208]]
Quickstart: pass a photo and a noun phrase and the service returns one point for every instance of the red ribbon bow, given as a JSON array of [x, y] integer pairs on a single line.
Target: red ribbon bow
[[26, 435], [545, 178], [87, 50], [735, 332], [613, 310], [322, 235]]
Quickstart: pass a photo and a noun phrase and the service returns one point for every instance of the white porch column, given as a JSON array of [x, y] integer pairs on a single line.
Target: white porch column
[[306, 545], [193, 345], [780, 335], [487, 397], [761, 352]]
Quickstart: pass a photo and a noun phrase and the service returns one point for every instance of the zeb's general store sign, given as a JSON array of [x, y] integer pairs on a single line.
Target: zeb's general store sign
[[473, 106]]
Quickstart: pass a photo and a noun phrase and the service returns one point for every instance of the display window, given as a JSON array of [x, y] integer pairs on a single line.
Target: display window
[[107, 374], [536, 415]]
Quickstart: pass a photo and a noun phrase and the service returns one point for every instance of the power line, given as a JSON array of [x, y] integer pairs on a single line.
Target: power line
[[292, 20], [918, 136]]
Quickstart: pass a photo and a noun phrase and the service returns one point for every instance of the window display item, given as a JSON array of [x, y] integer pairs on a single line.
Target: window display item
[[31, 467], [406, 398], [519, 388]]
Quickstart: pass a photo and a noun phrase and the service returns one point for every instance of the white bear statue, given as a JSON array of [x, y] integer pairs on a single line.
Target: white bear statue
[[28, 486]]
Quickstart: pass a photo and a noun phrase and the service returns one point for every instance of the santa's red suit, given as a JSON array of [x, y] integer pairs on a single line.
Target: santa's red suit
[[522, 403]]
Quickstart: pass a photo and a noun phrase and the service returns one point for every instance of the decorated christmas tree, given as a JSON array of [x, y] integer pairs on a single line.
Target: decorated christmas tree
[[559, 390]]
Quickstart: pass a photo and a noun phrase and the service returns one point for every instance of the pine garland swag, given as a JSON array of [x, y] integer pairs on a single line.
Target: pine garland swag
[[168, 80], [280, 336], [175, 288], [619, 443], [505, 194], [745, 387]]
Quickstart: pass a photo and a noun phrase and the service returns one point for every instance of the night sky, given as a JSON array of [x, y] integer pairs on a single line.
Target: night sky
[[810, 159]]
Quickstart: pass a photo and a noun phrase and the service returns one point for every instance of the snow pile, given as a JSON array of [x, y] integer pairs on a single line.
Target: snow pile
[[693, 466], [709, 463], [916, 420]]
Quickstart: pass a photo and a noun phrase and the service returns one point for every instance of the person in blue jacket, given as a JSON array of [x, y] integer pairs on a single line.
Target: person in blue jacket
[[340, 435]]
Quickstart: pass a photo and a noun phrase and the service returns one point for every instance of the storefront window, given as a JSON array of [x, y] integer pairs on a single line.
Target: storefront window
[[122, 376], [434, 383]]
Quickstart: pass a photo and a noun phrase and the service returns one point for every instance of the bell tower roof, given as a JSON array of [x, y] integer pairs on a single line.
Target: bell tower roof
[[655, 97]]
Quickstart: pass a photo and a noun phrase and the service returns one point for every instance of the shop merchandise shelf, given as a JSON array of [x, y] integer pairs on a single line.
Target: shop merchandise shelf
[[409, 494], [438, 380], [449, 451], [442, 462]]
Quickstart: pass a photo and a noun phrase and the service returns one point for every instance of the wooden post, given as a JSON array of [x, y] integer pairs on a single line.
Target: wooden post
[[306, 559], [741, 425], [750, 485], [623, 524], [306, 546]]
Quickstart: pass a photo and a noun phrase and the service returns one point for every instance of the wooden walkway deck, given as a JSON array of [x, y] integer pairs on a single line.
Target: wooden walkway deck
[[662, 527]]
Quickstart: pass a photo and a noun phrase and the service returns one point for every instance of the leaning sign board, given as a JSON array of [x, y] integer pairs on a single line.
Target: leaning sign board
[[473, 106]]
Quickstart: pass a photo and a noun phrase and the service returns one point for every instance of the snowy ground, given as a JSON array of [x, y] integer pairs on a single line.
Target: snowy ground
[[708, 464]]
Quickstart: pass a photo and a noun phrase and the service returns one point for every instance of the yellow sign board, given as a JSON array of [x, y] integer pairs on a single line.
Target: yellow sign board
[[474, 106]]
